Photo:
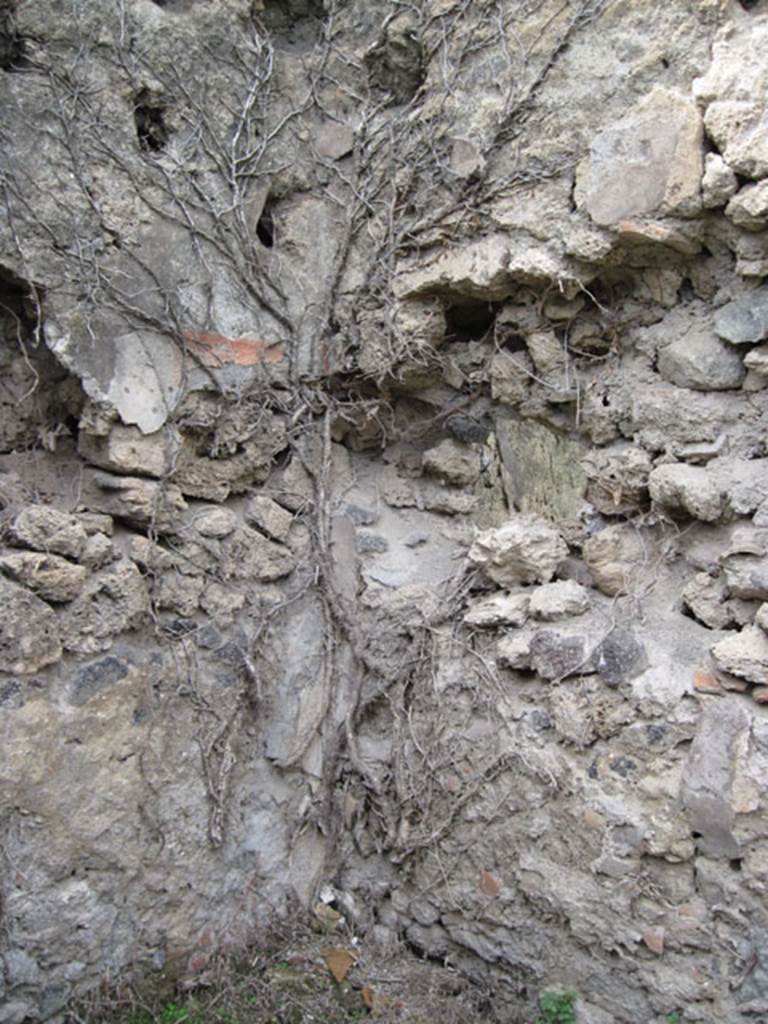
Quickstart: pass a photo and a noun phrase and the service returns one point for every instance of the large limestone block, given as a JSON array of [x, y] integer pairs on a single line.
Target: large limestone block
[[29, 631], [700, 360], [739, 130], [527, 549], [127, 450], [744, 654], [649, 162], [50, 576], [691, 489], [47, 529], [141, 502], [477, 270]]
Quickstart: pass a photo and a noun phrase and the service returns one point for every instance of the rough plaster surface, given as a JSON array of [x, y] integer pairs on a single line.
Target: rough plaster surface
[[384, 493]]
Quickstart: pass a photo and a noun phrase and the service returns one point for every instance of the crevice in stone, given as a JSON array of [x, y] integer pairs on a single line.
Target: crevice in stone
[[12, 49], [294, 25], [149, 117]]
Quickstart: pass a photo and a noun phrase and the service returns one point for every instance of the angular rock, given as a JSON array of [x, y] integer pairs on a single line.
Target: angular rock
[[719, 182], [541, 469], [746, 576], [558, 600], [141, 502], [215, 522], [514, 652], [455, 463], [706, 599], [126, 450], [738, 129], [757, 360], [498, 610], [744, 654], [615, 558], [526, 549], [511, 375], [744, 321], [98, 551], [618, 480], [749, 207], [761, 618], [112, 601], [554, 656], [221, 603], [690, 489], [619, 657], [658, 147], [476, 270], [47, 529], [173, 591], [270, 517], [246, 554], [700, 360], [50, 576], [29, 631]]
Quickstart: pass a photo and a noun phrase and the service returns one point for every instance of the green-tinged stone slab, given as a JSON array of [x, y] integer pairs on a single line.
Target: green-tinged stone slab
[[541, 469]]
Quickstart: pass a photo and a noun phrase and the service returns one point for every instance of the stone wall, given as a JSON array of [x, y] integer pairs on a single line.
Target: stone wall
[[384, 492]]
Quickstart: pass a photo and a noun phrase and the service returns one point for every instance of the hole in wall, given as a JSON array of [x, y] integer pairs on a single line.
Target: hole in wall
[[12, 56], [149, 117], [294, 25], [39, 399], [265, 228], [470, 321]]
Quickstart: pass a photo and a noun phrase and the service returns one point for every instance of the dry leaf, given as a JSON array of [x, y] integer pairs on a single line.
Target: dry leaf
[[338, 961], [376, 1002], [488, 884]]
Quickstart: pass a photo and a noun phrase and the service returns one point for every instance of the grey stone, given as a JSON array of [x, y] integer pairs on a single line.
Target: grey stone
[[498, 610], [746, 576], [749, 207], [47, 529], [706, 598], [615, 558], [719, 182], [50, 576], [367, 543], [618, 480], [176, 592], [558, 600], [555, 656], [17, 1011], [112, 601], [744, 321], [757, 360], [215, 522], [761, 617], [140, 502], [744, 654], [127, 451], [620, 657], [270, 517], [20, 969], [514, 651], [29, 631], [658, 147], [526, 549], [511, 375], [95, 677], [700, 360], [453, 462], [246, 554], [706, 787], [691, 489]]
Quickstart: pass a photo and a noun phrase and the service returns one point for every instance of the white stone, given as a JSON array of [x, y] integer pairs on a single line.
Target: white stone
[[526, 549], [498, 610], [558, 600]]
